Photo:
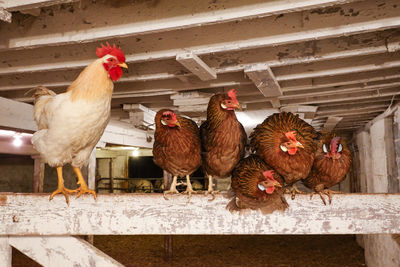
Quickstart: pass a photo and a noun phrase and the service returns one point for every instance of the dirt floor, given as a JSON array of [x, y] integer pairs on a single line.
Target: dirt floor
[[279, 251]]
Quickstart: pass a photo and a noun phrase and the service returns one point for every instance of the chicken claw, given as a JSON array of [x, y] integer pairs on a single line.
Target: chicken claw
[[83, 188], [189, 189], [210, 188], [293, 191], [62, 190], [326, 192], [172, 189]]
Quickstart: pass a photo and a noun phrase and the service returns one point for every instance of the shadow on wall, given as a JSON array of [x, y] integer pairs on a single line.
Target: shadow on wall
[[16, 175]]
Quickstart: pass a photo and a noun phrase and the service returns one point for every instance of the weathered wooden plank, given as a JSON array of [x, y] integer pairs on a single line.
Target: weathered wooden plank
[[17, 115], [5, 252], [61, 251], [196, 66], [5, 15], [33, 214]]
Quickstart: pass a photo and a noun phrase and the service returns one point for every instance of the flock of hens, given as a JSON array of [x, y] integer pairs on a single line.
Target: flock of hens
[[285, 149]]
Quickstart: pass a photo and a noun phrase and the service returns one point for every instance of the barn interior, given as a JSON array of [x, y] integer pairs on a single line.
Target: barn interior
[[335, 63]]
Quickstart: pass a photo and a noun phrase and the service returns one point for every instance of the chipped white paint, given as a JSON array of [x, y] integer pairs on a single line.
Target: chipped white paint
[[61, 251], [27, 214], [264, 80], [5, 252]]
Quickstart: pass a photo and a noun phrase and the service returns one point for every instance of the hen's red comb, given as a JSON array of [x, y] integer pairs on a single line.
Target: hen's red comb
[[110, 50], [232, 94], [170, 113], [269, 174], [291, 135], [334, 144]]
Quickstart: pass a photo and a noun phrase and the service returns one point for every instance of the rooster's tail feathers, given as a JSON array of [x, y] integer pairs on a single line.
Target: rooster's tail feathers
[[40, 91]]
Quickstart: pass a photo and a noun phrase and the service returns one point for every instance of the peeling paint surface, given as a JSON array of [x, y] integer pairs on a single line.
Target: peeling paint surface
[[132, 214]]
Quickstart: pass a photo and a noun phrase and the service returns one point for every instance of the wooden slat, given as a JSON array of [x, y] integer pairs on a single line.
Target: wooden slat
[[5, 15], [16, 115], [33, 214], [61, 251], [5, 252], [264, 80], [196, 66], [331, 122]]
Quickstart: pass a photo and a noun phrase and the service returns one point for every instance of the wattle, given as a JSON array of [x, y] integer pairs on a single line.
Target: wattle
[[115, 73], [270, 189]]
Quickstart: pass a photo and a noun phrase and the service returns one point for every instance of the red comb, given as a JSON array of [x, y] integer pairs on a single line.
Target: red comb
[[110, 50], [334, 144], [232, 94], [291, 135], [269, 174], [172, 114]]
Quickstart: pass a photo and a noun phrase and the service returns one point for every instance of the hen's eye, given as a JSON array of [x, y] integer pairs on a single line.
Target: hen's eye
[[324, 148], [340, 148]]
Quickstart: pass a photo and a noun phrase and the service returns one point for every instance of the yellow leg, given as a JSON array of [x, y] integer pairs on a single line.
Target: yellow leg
[[83, 188], [189, 188], [211, 188], [172, 189], [61, 189]]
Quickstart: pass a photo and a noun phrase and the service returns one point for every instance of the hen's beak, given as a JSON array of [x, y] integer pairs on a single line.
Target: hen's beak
[[239, 107], [298, 144], [123, 65], [177, 124], [277, 184]]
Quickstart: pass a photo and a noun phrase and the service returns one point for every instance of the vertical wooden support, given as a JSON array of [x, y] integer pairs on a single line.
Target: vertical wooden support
[[92, 170], [111, 176], [5, 252], [38, 174], [168, 247]]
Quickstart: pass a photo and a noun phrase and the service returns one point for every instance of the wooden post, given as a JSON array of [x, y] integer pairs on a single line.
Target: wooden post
[[92, 170], [5, 252], [168, 247], [167, 180], [111, 176], [38, 174]]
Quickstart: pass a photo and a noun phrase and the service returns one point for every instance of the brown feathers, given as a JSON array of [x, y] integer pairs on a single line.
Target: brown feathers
[[177, 149], [285, 142], [329, 167], [247, 187], [223, 138]]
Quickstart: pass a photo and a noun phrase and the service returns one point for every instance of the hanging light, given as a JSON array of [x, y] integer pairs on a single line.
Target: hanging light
[[17, 140]]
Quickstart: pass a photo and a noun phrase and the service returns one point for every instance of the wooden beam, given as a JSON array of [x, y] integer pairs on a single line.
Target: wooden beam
[[16, 115], [121, 133], [38, 174], [5, 252], [5, 15], [27, 214], [264, 80], [53, 250], [196, 66], [141, 23], [19, 5], [330, 68], [331, 123]]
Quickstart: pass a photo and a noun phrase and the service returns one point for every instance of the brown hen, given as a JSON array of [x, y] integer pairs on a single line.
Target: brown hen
[[285, 142], [223, 138], [177, 147], [256, 186], [331, 164]]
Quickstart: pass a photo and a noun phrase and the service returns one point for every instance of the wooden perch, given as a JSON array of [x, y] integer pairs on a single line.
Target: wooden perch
[[135, 214]]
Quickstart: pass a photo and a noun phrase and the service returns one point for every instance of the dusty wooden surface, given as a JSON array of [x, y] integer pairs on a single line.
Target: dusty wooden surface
[[61, 251], [131, 214]]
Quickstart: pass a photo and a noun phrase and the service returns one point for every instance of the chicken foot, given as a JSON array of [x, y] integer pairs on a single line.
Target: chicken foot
[[210, 188], [172, 189], [61, 188], [293, 191], [83, 188], [189, 189], [323, 192]]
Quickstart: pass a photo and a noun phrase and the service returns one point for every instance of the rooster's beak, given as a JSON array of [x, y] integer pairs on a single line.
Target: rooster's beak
[[123, 65]]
